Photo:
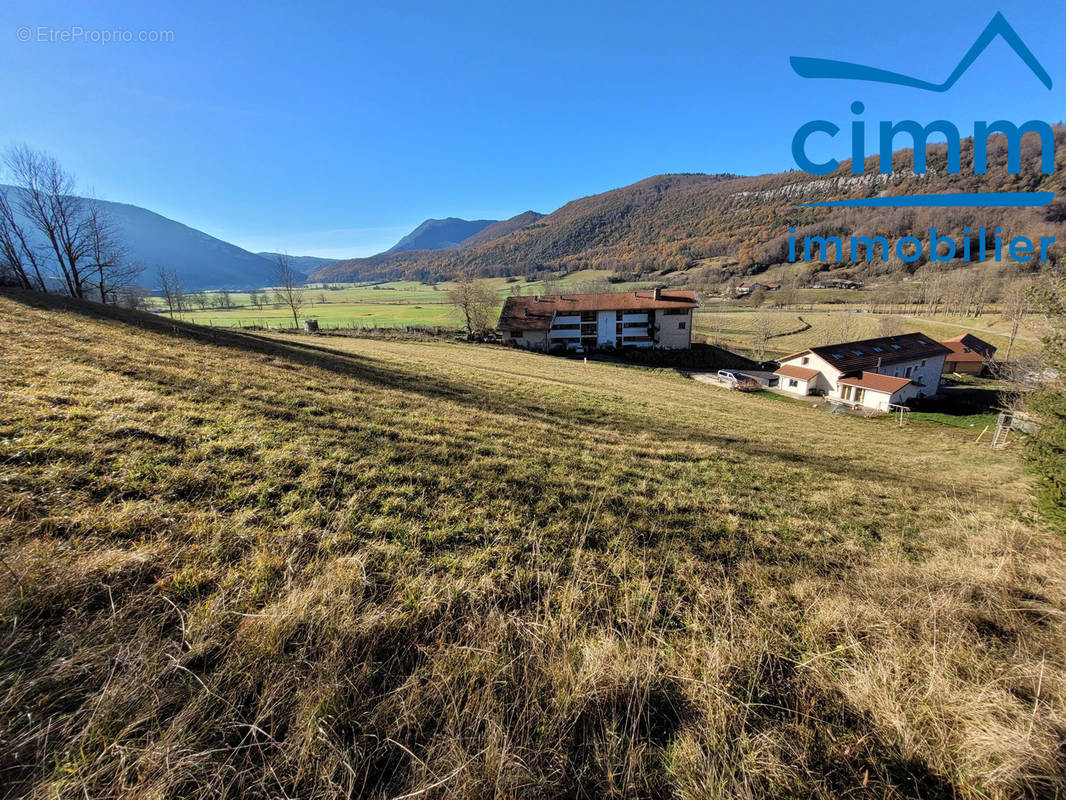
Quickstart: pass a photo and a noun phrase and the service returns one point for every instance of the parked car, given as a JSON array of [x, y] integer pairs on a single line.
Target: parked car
[[730, 376]]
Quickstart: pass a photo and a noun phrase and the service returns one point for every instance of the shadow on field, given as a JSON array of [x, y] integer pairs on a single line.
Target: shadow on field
[[569, 418]]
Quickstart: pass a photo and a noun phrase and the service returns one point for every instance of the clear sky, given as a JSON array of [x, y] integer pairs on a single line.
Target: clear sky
[[334, 128]]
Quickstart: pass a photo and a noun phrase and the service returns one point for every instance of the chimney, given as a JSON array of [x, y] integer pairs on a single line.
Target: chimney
[[658, 293]]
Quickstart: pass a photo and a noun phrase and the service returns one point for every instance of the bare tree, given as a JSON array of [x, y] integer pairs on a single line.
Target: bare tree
[[134, 298], [550, 285], [840, 326], [1016, 300], [716, 329], [18, 260], [48, 201], [762, 332], [49, 233], [172, 293], [891, 326], [107, 269], [289, 289], [474, 300]]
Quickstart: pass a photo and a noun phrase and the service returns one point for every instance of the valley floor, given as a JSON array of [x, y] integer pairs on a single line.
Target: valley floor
[[245, 566]]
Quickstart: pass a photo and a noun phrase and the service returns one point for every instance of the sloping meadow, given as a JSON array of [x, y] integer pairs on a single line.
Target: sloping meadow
[[326, 567]]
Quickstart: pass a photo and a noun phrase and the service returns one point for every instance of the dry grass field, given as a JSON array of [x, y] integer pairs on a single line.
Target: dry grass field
[[326, 567], [737, 329]]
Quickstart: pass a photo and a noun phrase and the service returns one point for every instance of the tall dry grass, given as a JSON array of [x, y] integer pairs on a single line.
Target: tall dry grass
[[245, 568]]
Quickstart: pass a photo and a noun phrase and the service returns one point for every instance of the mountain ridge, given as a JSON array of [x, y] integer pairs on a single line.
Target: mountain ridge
[[679, 221]]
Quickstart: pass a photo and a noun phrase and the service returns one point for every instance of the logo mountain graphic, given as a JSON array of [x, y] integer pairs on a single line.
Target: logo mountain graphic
[[827, 68]]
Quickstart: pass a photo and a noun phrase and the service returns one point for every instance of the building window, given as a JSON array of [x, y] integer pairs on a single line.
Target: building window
[[793, 382], [907, 372], [923, 362], [859, 394], [805, 360], [681, 326], [845, 392]]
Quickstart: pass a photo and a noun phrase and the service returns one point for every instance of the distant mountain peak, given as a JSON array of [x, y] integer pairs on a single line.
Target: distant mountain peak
[[440, 234]]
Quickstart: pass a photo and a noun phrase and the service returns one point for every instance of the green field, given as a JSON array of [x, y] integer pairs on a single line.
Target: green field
[[239, 565], [392, 304], [401, 304]]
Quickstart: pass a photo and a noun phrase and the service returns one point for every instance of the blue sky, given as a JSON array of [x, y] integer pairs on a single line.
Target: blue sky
[[334, 128]]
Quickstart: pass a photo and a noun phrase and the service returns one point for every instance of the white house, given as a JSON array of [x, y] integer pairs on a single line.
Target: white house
[[873, 373]]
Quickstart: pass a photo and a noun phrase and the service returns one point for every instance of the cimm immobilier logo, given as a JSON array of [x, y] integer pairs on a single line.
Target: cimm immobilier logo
[[909, 248]]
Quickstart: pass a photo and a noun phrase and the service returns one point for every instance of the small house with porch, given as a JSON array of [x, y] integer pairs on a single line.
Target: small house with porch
[[873, 373]]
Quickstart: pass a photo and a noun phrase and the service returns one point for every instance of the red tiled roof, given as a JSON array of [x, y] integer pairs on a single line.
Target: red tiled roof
[[535, 313], [528, 316], [876, 382], [792, 371], [969, 349]]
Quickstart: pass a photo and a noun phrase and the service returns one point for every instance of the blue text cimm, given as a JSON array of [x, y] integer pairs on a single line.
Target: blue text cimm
[[919, 138], [910, 248]]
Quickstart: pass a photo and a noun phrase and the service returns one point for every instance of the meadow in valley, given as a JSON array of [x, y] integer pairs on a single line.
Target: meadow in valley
[[242, 565]]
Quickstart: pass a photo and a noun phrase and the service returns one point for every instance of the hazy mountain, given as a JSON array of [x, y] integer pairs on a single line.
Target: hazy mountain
[[201, 261], [304, 264], [440, 234], [679, 222]]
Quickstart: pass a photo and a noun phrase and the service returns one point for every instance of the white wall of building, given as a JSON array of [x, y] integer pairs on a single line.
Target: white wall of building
[[793, 385], [925, 371]]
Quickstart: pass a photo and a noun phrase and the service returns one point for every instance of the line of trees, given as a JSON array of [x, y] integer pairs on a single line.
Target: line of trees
[[51, 240]]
